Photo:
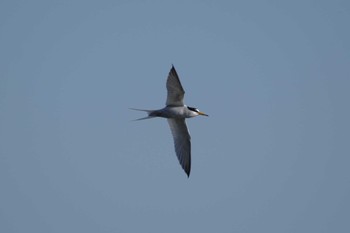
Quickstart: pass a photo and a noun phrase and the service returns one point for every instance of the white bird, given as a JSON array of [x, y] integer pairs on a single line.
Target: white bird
[[175, 111]]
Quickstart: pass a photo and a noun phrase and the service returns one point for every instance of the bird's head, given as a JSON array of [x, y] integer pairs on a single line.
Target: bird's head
[[196, 112]]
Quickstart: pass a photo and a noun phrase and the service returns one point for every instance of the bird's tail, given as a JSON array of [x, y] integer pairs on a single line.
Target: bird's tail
[[149, 112]]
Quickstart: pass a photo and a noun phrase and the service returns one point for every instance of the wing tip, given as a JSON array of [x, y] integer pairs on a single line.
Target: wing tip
[[187, 170], [188, 174], [173, 70]]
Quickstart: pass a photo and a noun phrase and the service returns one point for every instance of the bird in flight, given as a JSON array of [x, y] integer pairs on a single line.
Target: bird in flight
[[176, 112]]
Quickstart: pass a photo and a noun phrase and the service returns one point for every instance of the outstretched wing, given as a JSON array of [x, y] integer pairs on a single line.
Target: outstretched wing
[[175, 91], [182, 142]]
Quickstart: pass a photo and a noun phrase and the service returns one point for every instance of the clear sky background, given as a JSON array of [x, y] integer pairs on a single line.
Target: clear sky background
[[273, 156]]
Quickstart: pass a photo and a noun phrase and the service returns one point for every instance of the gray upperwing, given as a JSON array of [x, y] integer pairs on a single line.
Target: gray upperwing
[[175, 91], [182, 142]]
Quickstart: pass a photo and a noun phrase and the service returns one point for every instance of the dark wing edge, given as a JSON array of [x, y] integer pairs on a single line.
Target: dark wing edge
[[182, 143], [175, 90]]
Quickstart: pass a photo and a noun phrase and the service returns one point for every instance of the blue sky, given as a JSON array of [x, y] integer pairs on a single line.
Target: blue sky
[[273, 156]]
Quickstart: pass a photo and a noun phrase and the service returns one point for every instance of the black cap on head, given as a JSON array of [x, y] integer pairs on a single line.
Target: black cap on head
[[193, 109]]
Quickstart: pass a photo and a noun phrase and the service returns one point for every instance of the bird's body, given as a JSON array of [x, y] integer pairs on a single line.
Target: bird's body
[[176, 113]]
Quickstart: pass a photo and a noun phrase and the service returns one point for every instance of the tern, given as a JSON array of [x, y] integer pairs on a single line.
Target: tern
[[176, 112]]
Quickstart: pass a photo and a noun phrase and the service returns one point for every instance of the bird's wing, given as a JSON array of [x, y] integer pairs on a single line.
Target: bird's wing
[[182, 142], [175, 91]]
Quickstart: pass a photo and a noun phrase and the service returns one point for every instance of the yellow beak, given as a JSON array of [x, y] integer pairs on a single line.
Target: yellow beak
[[202, 113]]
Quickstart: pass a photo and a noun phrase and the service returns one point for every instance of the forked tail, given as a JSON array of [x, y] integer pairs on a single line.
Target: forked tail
[[149, 112]]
